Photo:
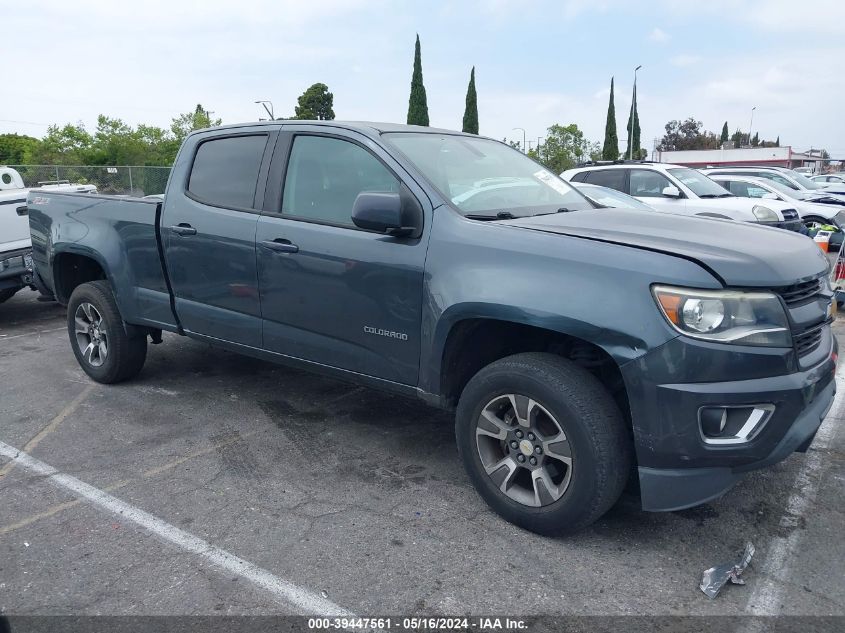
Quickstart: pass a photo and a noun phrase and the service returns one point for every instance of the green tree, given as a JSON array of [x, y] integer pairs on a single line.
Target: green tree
[[184, 124], [634, 129], [67, 145], [565, 146], [417, 103], [471, 108], [777, 141], [755, 140], [725, 134], [686, 135], [737, 138], [315, 104], [15, 149], [610, 150]]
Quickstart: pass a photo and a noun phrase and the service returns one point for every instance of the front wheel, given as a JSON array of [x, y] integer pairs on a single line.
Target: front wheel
[[100, 343], [543, 442]]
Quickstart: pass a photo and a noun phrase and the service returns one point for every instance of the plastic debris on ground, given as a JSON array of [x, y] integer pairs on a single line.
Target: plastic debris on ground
[[717, 577]]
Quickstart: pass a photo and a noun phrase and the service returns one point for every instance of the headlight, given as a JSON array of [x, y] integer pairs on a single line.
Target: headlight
[[764, 214], [726, 316]]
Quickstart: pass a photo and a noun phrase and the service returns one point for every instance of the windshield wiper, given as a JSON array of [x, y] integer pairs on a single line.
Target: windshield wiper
[[716, 195], [501, 215], [561, 210]]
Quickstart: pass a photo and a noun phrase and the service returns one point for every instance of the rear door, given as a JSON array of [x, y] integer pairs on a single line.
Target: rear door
[[332, 293], [208, 230]]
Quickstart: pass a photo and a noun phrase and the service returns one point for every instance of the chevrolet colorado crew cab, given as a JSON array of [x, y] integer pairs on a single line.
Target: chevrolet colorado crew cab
[[577, 345]]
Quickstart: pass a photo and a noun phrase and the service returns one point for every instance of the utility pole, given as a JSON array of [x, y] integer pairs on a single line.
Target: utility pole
[[523, 138], [633, 117]]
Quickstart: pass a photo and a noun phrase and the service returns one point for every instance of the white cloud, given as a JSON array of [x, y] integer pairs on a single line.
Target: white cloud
[[682, 61], [658, 35]]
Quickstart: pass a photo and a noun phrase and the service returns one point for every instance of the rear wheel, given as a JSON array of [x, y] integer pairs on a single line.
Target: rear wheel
[[100, 343], [543, 442]]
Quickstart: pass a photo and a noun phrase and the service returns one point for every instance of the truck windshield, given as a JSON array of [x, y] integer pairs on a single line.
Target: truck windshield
[[699, 184], [487, 179]]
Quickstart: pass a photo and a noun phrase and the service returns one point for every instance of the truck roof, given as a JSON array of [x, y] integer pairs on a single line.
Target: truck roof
[[370, 128]]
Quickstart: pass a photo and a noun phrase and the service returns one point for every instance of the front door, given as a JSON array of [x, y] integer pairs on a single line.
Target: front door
[[647, 185], [209, 239], [330, 292]]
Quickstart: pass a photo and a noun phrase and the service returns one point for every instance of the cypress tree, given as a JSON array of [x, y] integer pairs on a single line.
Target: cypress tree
[[471, 109], [777, 141], [417, 104], [725, 136], [610, 151], [633, 129]]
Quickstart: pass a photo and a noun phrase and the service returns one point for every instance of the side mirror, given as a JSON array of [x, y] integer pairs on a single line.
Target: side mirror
[[671, 192], [770, 196], [389, 213]]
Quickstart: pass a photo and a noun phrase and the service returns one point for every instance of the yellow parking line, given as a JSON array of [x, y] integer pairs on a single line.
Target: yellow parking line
[[61, 507], [51, 426]]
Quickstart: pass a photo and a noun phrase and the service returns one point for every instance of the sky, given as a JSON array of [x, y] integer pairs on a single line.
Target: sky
[[537, 62]]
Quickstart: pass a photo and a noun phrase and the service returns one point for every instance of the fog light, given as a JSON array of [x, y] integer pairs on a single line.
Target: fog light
[[733, 425]]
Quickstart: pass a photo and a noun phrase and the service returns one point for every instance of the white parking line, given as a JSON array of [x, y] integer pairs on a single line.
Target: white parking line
[[767, 596], [6, 337], [288, 592]]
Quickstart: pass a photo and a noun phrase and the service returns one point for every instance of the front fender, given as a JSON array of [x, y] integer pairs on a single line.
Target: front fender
[[596, 291]]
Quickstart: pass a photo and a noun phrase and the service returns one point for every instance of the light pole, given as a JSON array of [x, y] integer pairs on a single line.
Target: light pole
[[751, 125], [523, 138], [633, 118], [264, 103]]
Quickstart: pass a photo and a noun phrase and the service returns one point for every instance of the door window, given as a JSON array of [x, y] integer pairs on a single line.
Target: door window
[[225, 171], [611, 178], [325, 175], [648, 184]]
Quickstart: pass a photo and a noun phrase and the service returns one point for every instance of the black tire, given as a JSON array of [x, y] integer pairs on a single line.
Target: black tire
[[7, 294], [125, 355], [601, 451]]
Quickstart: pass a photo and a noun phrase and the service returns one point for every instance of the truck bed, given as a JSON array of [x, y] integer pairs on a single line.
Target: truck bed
[[121, 233]]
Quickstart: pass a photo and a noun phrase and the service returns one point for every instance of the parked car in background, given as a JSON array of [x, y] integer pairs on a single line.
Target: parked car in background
[[575, 344], [787, 177], [826, 180], [763, 188], [15, 246], [606, 197], [681, 190]]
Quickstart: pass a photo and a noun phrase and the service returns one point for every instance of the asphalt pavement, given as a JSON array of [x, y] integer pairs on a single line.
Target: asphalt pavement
[[218, 484]]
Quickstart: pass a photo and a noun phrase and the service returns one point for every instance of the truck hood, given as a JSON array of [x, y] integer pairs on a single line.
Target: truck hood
[[738, 254]]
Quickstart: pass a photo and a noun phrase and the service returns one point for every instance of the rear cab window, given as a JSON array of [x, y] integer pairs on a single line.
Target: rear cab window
[[225, 171]]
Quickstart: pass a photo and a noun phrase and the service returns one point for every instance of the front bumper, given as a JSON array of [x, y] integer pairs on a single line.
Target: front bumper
[[677, 468], [16, 269]]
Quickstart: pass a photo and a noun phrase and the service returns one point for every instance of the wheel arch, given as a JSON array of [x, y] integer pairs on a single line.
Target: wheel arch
[[473, 339]]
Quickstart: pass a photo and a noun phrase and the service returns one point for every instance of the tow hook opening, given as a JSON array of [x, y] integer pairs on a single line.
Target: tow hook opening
[[730, 425]]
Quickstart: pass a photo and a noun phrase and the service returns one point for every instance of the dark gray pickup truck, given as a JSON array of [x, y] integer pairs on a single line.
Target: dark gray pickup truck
[[578, 345]]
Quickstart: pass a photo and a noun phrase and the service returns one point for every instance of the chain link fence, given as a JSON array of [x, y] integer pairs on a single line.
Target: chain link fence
[[136, 181]]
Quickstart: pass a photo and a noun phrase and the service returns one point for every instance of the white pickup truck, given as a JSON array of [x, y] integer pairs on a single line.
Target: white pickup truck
[[15, 245]]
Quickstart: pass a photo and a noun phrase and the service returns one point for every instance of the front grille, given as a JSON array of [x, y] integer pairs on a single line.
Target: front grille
[[789, 215], [808, 341], [797, 293]]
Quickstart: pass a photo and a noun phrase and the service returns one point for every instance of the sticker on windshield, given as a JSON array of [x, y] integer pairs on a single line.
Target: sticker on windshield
[[549, 179]]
